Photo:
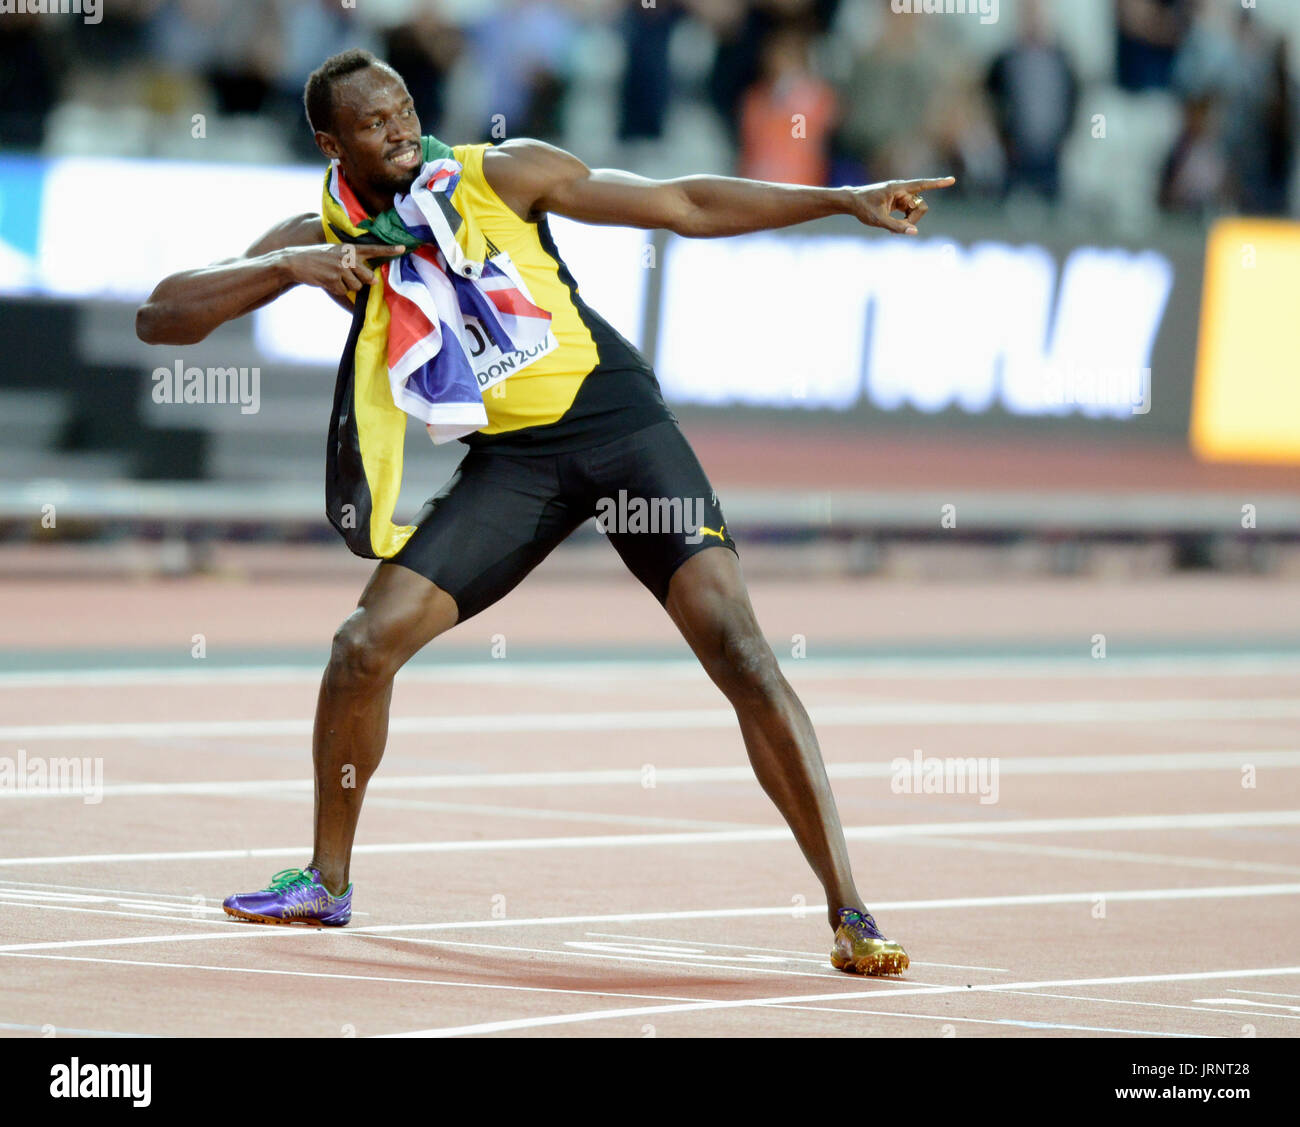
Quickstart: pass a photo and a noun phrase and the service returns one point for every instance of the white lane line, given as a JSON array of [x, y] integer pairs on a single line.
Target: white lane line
[[1039, 849], [197, 907], [1030, 900], [615, 671], [577, 950], [37, 889], [990, 826], [686, 1005], [796, 956], [879, 714], [350, 977], [649, 1011], [182, 899], [23, 896], [1101, 1029], [61, 1031], [544, 815], [1263, 993], [1120, 764], [99, 912], [800, 956], [1214, 892], [384, 930], [234, 931], [1024, 1023], [556, 990], [936, 1018], [1249, 1002], [595, 951], [1130, 1002]]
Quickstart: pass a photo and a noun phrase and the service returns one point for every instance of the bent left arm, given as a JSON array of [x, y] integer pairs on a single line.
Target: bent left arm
[[534, 178]]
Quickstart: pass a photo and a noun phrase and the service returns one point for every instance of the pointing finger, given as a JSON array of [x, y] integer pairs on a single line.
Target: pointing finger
[[928, 185]]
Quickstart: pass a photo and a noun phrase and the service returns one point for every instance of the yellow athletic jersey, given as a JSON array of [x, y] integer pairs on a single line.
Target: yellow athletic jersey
[[595, 386]]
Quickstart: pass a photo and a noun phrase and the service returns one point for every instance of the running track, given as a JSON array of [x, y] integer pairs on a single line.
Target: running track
[[567, 841]]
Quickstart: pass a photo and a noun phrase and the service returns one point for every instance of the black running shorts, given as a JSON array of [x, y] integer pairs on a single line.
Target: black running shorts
[[500, 515]]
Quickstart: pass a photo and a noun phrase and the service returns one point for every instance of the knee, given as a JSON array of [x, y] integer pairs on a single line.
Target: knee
[[360, 659], [744, 664]]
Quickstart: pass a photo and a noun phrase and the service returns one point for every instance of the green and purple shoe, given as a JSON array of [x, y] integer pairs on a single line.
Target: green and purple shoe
[[294, 896]]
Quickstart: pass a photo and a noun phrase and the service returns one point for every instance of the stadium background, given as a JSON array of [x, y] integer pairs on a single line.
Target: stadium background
[[1039, 359]]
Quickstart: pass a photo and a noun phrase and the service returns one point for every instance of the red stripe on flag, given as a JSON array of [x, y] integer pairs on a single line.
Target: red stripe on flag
[[429, 253], [350, 202], [513, 302], [407, 325]]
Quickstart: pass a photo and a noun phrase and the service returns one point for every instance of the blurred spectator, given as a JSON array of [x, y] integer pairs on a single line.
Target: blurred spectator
[[786, 117], [1195, 175], [1228, 57], [1035, 93], [647, 82], [742, 27], [915, 105], [523, 50], [117, 40], [234, 45], [914, 94], [1267, 157], [887, 94], [423, 49], [1148, 34], [27, 81], [963, 141], [886, 98], [1208, 58], [310, 31]]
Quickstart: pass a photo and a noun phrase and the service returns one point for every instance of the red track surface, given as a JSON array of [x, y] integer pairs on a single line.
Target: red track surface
[[1124, 880]]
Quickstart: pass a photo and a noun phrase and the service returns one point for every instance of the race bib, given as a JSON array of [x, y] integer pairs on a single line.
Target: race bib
[[491, 364]]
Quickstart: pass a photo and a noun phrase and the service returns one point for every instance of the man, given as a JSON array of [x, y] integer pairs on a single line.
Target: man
[[579, 425], [1035, 92]]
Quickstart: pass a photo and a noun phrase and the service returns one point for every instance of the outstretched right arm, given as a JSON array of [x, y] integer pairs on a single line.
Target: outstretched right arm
[[184, 308]]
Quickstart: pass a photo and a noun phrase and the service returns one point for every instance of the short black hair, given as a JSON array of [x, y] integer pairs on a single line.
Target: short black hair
[[318, 94]]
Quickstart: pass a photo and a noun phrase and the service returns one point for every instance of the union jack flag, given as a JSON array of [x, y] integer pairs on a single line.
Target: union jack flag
[[450, 317]]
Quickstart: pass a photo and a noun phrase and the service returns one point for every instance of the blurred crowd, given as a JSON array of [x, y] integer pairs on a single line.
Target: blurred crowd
[[1187, 105]]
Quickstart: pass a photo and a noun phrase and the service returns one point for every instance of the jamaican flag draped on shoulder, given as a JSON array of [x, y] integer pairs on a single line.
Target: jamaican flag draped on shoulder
[[425, 335]]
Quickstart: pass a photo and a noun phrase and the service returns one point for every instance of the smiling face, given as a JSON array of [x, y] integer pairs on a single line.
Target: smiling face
[[374, 135]]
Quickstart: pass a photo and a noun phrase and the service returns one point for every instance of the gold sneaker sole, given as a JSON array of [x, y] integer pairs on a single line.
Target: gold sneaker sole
[[879, 959]]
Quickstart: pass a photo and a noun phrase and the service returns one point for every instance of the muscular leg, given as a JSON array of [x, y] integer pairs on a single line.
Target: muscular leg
[[708, 601], [398, 613]]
